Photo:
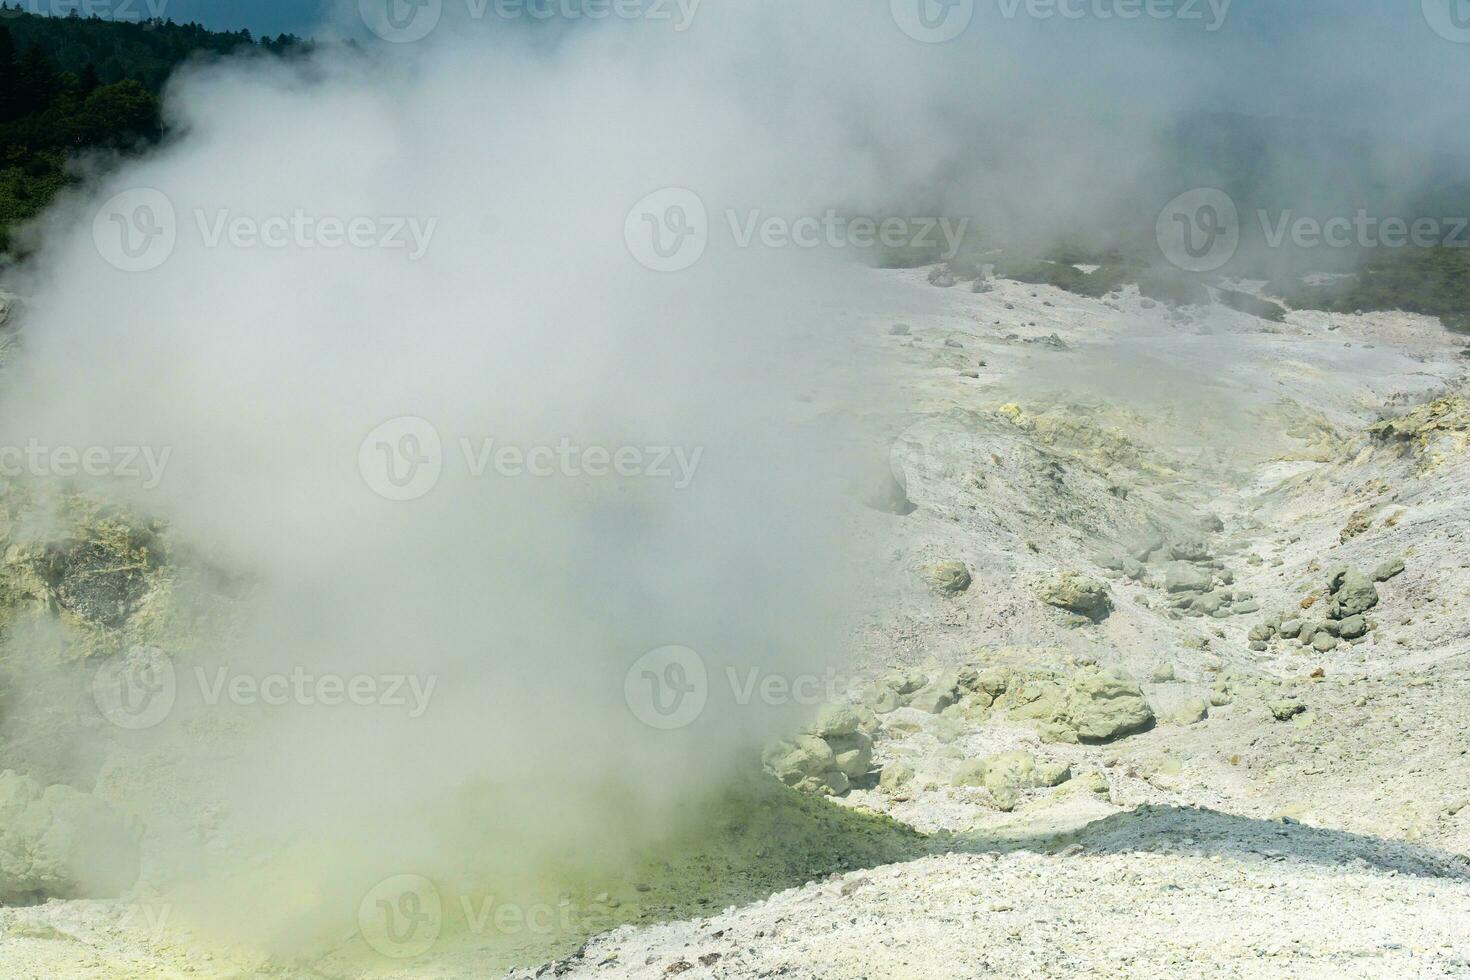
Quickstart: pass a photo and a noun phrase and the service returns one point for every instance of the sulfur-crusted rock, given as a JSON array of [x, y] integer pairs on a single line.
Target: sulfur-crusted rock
[[948, 577], [1285, 708], [1191, 711], [836, 719], [1102, 705], [58, 842], [1075, 593], [1007, 774]]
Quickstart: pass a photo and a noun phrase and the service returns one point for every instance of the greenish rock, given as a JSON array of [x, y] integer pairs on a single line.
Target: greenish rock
[[1286, 708], [1324, 642], [1076, 593], [895, 777], [1103, 705], [1292, 628], [1352, 627], [1036, 701], [1189, 712], [836, 719], [1246, 608], [948, 577], [1007, 774], [881, 698], [1389, 569], [1055, 733], [993, 680], [1353, 594], [1162, 674], [1190, 548], [852, 754]]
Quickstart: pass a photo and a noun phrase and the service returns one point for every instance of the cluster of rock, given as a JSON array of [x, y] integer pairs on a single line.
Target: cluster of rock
[[1195, 581], [1095, 705], [828, 759], [1008, 774], [1349, 596]]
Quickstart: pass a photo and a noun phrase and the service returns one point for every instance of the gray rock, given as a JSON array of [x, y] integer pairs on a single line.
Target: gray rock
[[1324, 642], [97, 582], [899, 330], [1389, 569], [1352, 627], [1292, 628], [1353, 593], [1181, 577]]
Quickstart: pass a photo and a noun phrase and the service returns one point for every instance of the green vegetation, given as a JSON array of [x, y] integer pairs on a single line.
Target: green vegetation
[[72, 85], [1432, 281]]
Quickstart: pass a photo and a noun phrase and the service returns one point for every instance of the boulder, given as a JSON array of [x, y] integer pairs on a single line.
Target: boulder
[[1076, 593], [948, 577], [1352, 627], [1007, 774], [836, 719], [1285, 708], [1389, 569], [1182, 577], [895, 777], [1104, 705], [1191, 711], [1353, 593]]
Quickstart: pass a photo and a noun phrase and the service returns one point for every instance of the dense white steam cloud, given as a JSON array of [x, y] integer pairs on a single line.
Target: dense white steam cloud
[[261, 351]]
